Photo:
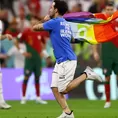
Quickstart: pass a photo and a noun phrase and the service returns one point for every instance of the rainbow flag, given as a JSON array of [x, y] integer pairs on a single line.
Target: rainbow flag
[[93, 28]]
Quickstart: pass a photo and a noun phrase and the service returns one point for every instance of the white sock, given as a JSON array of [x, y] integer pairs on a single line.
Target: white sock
[[24, 98], [1, 90], [38, 98]]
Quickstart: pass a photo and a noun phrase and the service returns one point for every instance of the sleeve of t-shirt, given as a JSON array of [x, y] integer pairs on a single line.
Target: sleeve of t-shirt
[[49, 25]]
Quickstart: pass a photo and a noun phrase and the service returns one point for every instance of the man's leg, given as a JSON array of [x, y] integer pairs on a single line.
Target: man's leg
[[107, 92], [61, 100], [59, 80], [107, 88], [75, 83], [28, 69], [107, 65], [88, 74], [1, 90], [24, 85], [24, 88], [37, 72], [59, 96], [37, 87], [3, 104]]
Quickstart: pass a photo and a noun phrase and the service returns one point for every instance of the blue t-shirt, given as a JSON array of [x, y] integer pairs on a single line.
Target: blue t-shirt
[[60, 34]]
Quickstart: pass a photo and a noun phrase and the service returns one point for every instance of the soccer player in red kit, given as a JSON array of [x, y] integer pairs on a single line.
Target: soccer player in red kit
[[13, 28], [109, 54], [34, 42]]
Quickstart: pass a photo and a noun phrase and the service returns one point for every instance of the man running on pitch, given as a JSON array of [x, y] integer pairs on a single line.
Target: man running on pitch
[[66, 61]]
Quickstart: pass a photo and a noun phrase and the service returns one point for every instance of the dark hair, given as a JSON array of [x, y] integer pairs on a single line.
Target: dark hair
[[61, 6], [79, 5], [110, 4]]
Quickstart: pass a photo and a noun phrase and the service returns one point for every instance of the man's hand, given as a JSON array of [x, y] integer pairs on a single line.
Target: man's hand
[[44, 54], [38, 27], [3, 56], [96, 56], [27, 54], [95, 53], [46, 18], [8, 36]]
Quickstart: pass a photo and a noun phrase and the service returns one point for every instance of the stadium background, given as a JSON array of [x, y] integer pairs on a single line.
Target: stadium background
[[12, 77], [10, 13]]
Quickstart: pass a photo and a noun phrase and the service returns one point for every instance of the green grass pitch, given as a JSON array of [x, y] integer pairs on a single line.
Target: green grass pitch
[[82, 109]]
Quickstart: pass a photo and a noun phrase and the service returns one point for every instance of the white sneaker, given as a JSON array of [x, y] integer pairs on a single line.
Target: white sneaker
[[64, 115], [4, 106], [91, 75], [107, 105], [23, 100], [39, 100]]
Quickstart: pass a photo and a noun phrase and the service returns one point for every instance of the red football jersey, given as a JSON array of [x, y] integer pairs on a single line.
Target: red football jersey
[[34, 39], [115, 27], [13, 33]]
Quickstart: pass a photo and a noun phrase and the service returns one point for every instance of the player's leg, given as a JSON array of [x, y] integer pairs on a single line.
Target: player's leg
[[24, 88], [37, 72], [64, 83], [59, 96], [107, 92], [57, 85], [107, 64], [27, 72], [63, 104], [37, 87], [76, 82], [3, 104], [88, 74]]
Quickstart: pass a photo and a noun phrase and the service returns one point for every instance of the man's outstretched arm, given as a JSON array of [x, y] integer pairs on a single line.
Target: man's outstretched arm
[[38, 27]]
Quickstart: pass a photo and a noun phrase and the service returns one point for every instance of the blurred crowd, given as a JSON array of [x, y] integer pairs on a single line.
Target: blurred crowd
[[16, 14]]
